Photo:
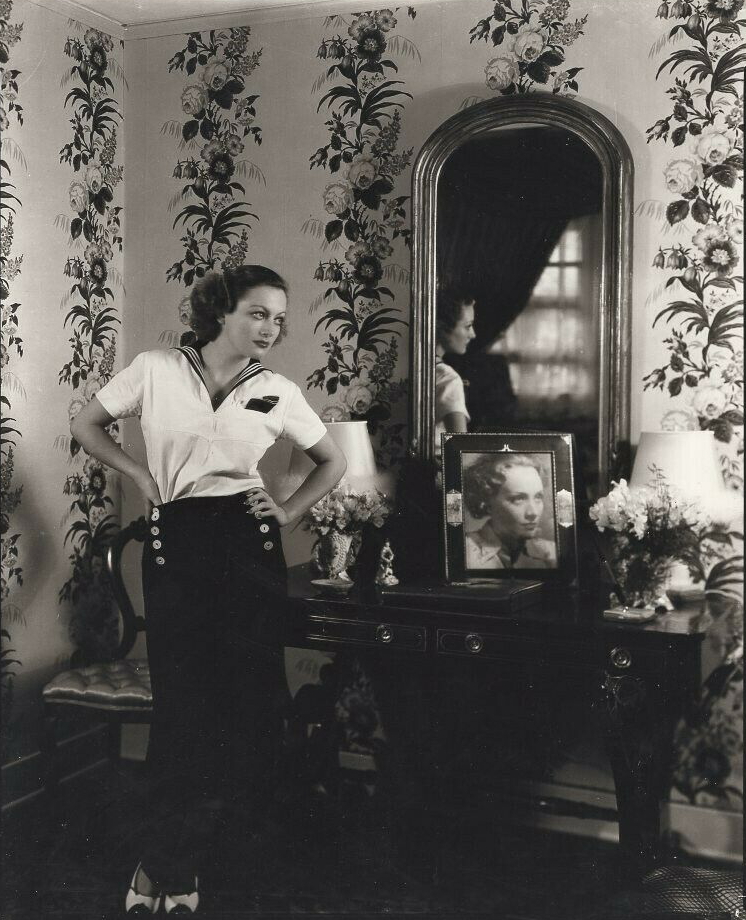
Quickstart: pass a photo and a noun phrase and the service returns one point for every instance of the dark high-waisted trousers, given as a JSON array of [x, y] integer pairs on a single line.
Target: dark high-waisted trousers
[[214, 585]]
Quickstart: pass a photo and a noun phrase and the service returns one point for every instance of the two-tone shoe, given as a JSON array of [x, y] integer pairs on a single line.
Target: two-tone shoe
[[182, 904], [140, 905]]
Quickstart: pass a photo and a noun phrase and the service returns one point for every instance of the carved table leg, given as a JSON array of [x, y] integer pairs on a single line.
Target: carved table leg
[[638, 727]]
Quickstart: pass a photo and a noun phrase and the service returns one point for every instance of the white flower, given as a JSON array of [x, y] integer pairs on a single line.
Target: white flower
[[94, 178], [193, 98], [709, 402], [528, 43], [713, 146], [500, 72], [680, 420], [78, 196], [76, 404], [335, 414], [185, 310], [96, 515], [359, 398], [338, 196], [91, 386], [682, 174], [362, 171], [215, 74]]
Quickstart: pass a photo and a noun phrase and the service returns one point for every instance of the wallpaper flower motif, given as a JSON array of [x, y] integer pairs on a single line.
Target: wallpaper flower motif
[[532, 37], [364, 218], [91, 316], [704, 178], [11, 343], [704, 370], [220, 118]]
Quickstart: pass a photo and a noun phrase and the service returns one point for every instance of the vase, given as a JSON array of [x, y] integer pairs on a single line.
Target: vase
[[644, 580], [334, 552]]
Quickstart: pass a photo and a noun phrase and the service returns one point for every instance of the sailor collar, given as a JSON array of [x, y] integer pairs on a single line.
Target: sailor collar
[[193, 354]]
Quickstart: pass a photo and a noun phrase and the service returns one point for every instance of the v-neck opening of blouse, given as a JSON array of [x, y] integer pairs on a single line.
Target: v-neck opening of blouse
[[193, 354]]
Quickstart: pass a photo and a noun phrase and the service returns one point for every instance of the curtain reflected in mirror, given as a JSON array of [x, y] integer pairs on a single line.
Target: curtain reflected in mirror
[[519, 231]]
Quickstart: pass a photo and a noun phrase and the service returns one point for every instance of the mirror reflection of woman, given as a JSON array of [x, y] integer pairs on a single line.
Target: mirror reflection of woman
[[509, 491], [454, 331]]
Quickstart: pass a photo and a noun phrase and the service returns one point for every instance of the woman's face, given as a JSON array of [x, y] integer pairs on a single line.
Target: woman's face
[[456, 341], [517, 507], [252, 328]]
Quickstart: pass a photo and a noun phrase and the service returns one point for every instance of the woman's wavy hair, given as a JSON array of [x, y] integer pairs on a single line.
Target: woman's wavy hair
[[450, 303], [485, 477], [218, 293]]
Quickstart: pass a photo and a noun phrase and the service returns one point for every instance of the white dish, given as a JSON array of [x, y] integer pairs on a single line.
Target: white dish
[[332, 585], [631, 614]]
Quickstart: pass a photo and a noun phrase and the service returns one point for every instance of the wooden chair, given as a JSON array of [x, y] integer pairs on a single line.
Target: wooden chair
[[116, 690]]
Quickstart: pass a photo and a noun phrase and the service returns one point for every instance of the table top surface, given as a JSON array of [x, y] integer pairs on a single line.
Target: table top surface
[[560, 609]]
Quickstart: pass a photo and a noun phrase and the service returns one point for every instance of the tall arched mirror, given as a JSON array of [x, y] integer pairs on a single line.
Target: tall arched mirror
[[523, 204]]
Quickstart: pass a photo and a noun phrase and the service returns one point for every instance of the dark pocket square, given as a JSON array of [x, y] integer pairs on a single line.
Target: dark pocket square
[[265, 404]]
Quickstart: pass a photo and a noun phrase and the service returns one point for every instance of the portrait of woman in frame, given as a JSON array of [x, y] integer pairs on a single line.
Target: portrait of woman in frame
[[509, 506]]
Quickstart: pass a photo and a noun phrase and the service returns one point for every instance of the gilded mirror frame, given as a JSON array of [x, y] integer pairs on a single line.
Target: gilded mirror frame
[[610, 147]]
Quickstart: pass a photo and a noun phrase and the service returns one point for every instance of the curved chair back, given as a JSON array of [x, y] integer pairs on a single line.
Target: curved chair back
[[132, 624]]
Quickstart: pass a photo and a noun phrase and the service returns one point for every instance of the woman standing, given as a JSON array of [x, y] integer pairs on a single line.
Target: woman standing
[[213, 566], [454, 331]]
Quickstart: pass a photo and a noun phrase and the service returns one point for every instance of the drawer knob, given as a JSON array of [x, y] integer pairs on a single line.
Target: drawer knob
[[621, 657], [384, 633], [474, 643]]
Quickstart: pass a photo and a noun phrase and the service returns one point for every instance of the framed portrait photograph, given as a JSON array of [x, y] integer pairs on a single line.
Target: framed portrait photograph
[[509, 506]]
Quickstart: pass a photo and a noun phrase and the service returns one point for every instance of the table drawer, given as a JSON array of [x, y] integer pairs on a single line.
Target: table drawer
[[477, 644], [382, 634]]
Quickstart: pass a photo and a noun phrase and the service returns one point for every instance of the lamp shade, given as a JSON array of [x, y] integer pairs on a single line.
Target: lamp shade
[[687, 460], [353, 440]]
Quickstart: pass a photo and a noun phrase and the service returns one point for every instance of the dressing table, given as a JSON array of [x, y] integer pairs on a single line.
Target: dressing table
[[633, 681], [557, 175]]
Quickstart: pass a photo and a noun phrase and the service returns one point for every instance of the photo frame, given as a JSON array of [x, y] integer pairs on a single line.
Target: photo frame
[[509, 506]]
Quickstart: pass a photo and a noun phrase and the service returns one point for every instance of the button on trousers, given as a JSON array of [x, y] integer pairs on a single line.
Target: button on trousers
[[214, 586]]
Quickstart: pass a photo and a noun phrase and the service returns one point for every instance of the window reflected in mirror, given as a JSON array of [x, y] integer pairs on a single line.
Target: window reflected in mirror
[[519, 230]]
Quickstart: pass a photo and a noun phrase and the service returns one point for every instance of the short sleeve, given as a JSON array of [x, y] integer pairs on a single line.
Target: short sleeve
[[449, 392], [301, 425], [122, 395]]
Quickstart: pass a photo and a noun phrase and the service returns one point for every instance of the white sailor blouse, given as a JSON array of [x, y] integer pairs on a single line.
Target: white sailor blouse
[[194, 449]]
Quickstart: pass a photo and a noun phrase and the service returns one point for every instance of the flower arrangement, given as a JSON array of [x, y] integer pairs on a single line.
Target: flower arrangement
[[338, 520], [346, 511], [652, 528]]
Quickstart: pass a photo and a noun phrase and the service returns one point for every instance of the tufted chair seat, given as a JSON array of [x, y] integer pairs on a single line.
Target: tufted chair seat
[[115, 685]]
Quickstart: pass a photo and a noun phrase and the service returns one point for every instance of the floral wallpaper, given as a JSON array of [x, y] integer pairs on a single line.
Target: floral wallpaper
[[532, 38], [91, 321], [220, 121], [11, 342], [364, 217], [700, 257]]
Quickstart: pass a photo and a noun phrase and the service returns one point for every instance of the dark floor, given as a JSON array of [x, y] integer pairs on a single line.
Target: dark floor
[[332, 857]]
